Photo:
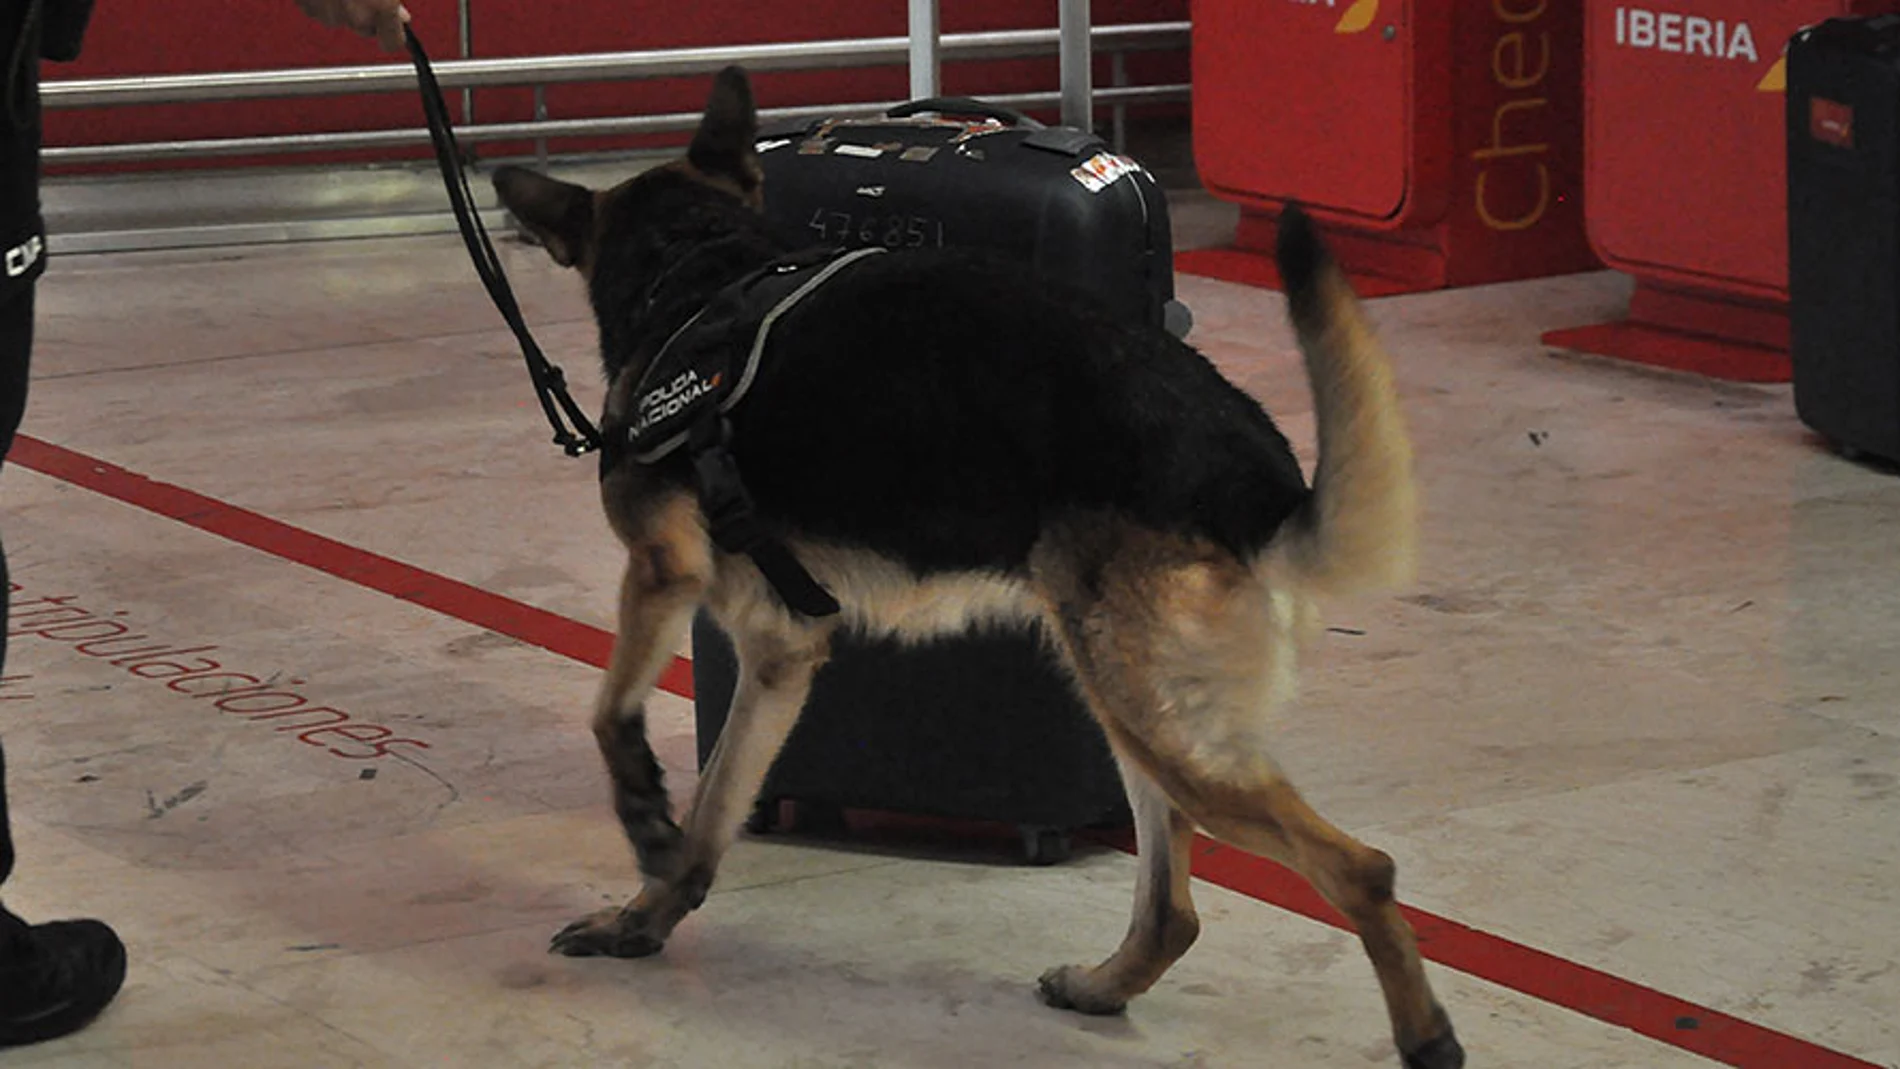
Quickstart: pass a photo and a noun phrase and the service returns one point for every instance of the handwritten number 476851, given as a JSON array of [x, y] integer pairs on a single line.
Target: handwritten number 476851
[[892, 232]]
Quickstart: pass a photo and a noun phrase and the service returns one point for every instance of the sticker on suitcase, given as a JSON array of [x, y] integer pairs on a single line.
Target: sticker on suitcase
[[1831, 122], [1102, 170]]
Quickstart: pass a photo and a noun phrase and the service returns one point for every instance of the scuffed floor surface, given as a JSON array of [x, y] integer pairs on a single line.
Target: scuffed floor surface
[[1640, 714]]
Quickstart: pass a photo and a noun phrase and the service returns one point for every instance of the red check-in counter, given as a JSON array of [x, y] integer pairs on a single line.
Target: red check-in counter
[[1439, 142], [1686, 178]]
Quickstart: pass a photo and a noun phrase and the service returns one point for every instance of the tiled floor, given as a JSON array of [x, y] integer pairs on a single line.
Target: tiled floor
[[1640, 714]]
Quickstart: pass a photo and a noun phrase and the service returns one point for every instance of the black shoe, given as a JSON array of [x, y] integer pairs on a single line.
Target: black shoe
[[55, 979]]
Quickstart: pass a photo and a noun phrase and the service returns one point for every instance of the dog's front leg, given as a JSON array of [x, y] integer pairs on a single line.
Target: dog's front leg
[[775, 676], [669, 569]]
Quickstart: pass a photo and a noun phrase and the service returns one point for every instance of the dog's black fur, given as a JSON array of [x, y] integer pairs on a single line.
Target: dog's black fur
[[857, 429], [943, 413]]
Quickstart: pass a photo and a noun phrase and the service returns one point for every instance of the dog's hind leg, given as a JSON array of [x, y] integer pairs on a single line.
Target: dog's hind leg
[[1269, 817], [669, 569], [1358, 880], [1183, 654], [1164, 924], [1250, 804]]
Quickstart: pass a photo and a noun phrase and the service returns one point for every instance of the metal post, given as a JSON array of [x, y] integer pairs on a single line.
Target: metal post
[[468, 45], [541, 116], [926, 66], [1077, 89]]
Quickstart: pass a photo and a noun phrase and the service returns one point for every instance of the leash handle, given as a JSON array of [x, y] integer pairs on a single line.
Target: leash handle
[[550, 383]]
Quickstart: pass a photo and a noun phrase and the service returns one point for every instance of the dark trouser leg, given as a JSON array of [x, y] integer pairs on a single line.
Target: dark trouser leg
[[16, 351], [54, 978]]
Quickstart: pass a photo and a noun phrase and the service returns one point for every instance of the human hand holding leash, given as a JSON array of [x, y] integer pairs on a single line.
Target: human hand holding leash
[[381, 19]]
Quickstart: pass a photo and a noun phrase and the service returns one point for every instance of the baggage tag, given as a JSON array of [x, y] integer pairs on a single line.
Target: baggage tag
[[1102, 170], [1831, 122]]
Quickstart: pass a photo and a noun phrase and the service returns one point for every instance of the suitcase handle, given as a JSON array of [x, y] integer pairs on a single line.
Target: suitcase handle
[[963, 106]]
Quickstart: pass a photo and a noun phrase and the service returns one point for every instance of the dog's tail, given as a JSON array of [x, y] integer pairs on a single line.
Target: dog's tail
[[1358, 531]]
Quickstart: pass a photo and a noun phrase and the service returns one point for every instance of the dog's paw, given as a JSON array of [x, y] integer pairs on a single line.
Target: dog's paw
[[613, 933], [1442, 1051], [1067, 987]]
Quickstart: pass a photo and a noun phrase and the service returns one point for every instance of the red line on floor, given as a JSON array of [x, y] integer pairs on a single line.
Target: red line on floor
[[1592, 992], [1527, 970], [537, 627]]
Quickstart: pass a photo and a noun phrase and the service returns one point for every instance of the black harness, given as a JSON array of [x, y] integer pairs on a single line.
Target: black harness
[[683, 398]]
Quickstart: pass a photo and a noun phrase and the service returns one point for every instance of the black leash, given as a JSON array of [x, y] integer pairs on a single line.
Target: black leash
[[550, 384]]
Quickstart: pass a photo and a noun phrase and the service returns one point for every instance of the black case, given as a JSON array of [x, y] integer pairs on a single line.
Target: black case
[[959, 172], [978, 728], [984, 727], [1843, 101]]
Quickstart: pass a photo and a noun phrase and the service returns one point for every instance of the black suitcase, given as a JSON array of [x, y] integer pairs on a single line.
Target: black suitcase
[[983, 727], [1843, 112], [960, 172]]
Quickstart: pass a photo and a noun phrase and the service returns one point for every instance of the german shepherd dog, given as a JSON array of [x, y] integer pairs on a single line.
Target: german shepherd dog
[[945, 441]]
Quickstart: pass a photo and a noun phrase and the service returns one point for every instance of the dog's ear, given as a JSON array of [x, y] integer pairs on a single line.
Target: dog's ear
[[559, 214], [723, 147]]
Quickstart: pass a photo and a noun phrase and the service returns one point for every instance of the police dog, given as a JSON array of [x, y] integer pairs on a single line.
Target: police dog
[[944, 441]]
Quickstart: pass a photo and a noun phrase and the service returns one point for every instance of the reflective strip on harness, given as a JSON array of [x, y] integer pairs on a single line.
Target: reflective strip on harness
[[693, 372]]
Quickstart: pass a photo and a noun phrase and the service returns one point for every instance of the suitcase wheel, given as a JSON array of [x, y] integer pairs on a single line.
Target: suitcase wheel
[[1177, 319], [763, 818], [818, 818], [1046, 846]]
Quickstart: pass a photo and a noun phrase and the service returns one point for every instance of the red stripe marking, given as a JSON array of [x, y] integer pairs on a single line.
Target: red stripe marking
[[1527, 970], [537, 627], [1591, 992]]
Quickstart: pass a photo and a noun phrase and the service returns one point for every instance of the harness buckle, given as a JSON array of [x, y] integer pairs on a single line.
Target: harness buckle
[[722, 494]]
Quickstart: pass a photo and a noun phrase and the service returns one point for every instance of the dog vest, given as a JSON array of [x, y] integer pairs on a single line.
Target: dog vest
[[697, 378]]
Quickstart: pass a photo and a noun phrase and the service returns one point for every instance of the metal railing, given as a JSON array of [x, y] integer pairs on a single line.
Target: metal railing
[[541, 71]]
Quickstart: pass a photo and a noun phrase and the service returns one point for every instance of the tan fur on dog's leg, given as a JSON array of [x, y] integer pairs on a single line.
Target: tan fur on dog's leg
[[1164, 924], [1261, 812], [1270, 818], [1178, 653], [669, 568], [1357, 879], [775, 674]]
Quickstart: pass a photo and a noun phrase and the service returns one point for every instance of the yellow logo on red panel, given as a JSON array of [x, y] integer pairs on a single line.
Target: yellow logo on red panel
[[1776, 80], [1358, 16]]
